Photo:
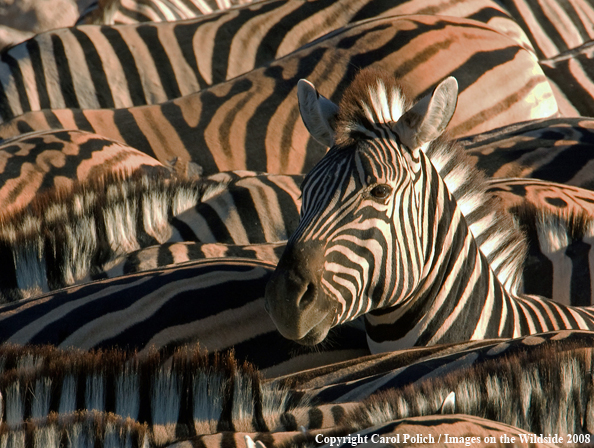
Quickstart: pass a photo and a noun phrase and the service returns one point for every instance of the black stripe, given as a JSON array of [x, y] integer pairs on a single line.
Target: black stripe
[[580, 283], [184, 34], [131, 132], [19, 83], [269, 44], [149, 34], [96, 69], [129, 68], [248, 215], [8, 280], [185, 231], [64, 73]]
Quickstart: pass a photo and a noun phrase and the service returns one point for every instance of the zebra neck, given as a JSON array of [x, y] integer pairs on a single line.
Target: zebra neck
[[459, 298]]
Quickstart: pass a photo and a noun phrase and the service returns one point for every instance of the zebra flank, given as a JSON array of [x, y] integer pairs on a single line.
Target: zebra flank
[[250, 121], [253, 208], [570, 75], [40, 161], [92, 67], [391, 224]]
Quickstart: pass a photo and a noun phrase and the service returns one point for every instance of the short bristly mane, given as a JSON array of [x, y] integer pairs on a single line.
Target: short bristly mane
[[374, 98]]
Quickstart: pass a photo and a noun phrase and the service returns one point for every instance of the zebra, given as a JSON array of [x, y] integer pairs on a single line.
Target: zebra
[[417, 275], [64, 235], [92, 67], [39, 161], [109, 12], [251, 121], [555, 150]]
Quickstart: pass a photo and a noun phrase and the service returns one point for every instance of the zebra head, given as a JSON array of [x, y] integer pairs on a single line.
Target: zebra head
[[364, 232]]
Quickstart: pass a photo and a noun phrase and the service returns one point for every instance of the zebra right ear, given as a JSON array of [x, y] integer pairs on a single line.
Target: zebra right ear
[[318, 113]]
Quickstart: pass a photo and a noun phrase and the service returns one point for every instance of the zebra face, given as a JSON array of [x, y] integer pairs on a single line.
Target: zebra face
[[359, 245], [345, 250]]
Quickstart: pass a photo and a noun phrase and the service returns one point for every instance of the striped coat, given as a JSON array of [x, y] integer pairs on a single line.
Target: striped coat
[[250, 121]]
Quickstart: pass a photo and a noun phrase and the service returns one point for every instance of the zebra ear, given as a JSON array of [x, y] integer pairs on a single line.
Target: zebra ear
[[318, 113], [427, 119]]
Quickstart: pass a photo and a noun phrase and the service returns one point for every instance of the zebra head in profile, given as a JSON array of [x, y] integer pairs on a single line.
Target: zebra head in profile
[[391, 223]]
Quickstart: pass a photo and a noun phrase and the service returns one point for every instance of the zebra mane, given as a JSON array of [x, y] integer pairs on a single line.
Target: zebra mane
[[214, 390], [375, 99], [81, 428], [64, 234], [516, 389]]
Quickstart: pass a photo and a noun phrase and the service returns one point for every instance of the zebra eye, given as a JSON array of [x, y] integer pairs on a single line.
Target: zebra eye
[[381, 191]]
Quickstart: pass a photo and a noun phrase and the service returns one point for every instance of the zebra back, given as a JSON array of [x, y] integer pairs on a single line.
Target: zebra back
[[258, 137]]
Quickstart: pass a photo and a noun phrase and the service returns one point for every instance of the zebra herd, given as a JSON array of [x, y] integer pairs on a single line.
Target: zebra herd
[[185, 263]]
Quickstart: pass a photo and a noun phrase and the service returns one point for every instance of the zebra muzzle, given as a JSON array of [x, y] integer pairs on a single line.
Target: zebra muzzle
[[295, 299]]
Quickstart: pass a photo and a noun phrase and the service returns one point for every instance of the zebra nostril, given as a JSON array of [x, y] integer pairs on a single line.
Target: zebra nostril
[[308, 297]]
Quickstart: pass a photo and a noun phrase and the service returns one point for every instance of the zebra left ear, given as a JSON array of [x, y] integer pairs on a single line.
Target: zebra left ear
[[427, 119], [318, 113]]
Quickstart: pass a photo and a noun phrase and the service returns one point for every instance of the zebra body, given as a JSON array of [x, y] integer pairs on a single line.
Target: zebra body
[[92, 67], [170, 254], [36, 162], [251, 121], [74, 235], [419, 278]]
